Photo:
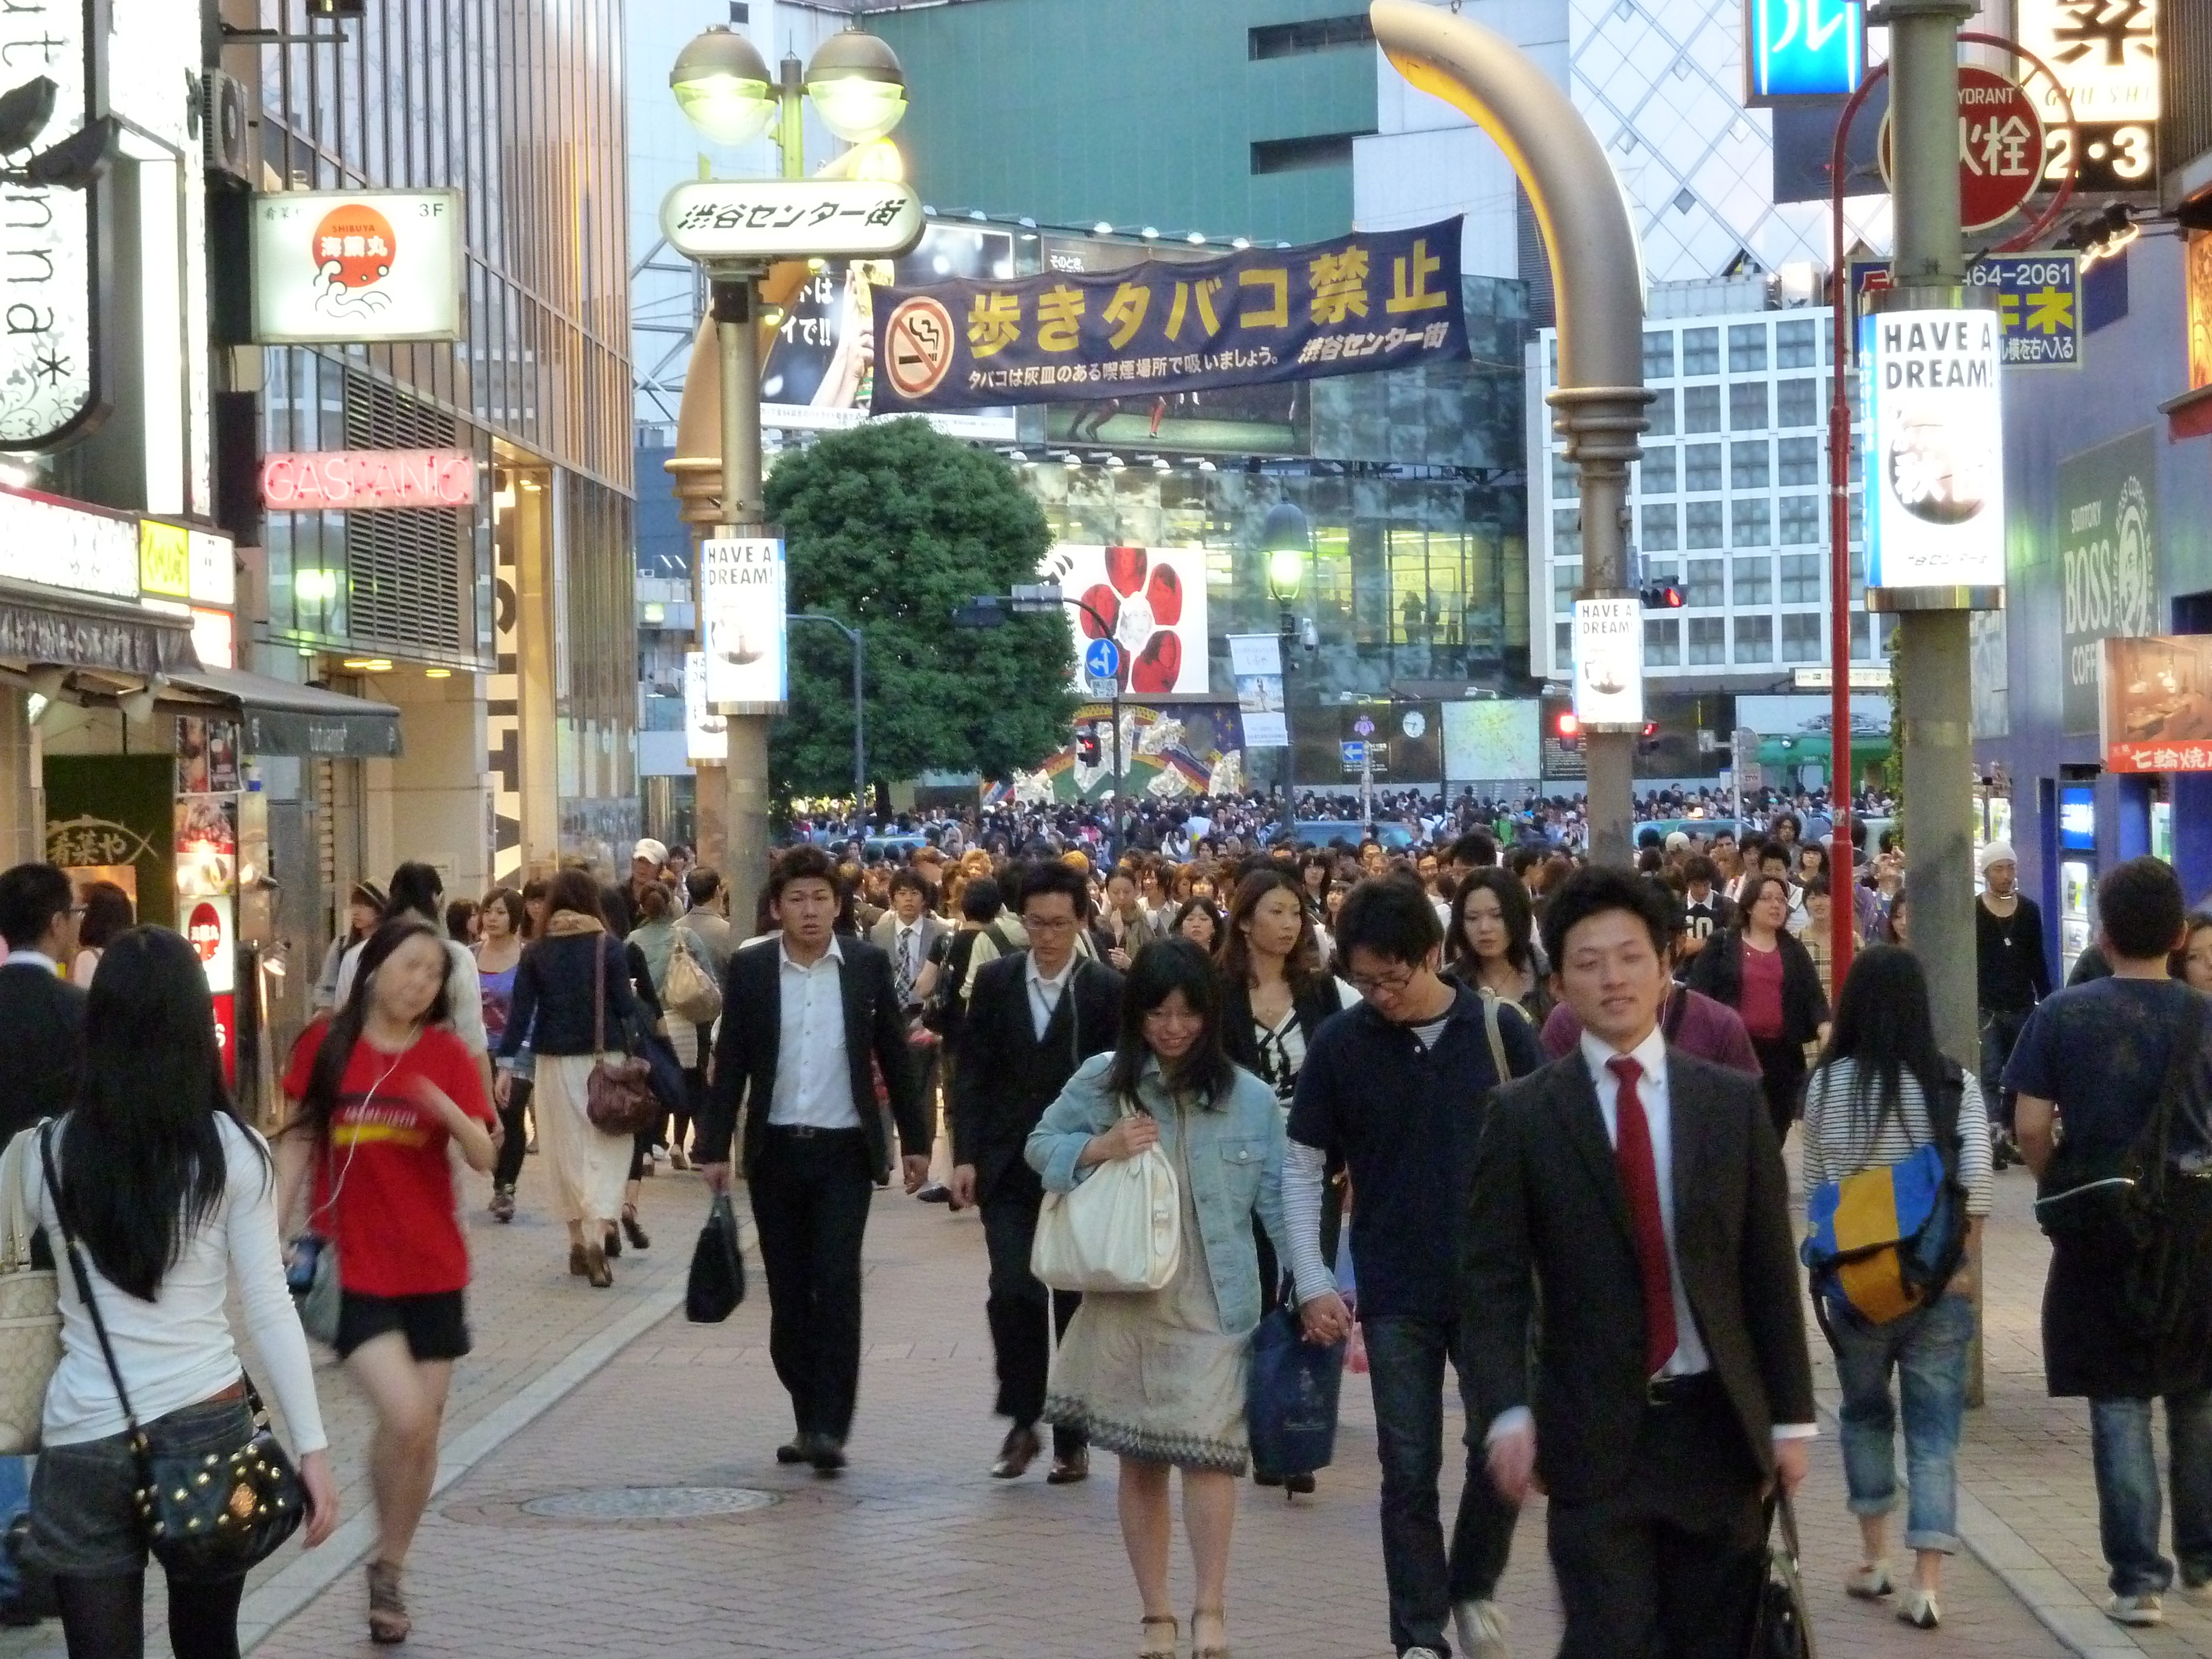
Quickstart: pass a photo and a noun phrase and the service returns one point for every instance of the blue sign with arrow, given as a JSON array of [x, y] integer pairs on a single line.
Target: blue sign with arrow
[[1102, 660]]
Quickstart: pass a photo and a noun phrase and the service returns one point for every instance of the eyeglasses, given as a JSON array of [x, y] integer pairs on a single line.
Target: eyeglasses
[[1048, 925], [1395, 982]]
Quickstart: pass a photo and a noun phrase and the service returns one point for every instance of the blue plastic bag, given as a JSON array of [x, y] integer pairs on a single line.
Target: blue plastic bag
[[1291, 1397]]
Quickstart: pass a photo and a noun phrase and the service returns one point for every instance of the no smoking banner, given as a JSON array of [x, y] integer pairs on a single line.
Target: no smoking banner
[[919, 343]]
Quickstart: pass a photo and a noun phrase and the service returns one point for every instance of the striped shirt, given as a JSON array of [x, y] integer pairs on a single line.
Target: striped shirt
[[1835, 1134]]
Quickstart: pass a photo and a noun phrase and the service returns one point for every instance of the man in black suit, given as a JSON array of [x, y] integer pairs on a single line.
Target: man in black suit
[[1641, 1191], [41, 1014], [1034, 1016], [804, 1010]]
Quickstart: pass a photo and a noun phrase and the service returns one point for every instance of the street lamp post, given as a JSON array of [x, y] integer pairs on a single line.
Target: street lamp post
[[859, 644], [1288, 540]]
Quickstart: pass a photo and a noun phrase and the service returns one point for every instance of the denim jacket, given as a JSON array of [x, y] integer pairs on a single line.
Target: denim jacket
[[1236, 1168]]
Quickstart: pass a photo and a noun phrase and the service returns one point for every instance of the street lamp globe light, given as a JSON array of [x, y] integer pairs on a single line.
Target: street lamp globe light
[[857, 87], [723, 87], [1285, 538]]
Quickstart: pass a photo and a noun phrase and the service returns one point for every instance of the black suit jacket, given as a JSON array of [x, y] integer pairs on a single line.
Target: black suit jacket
[[42, 1034], [1547, 1210], [1005, 1075], [746, 1055]]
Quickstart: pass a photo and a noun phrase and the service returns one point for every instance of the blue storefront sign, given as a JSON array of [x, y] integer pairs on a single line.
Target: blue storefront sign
[[2039, 302], [1802, 49]]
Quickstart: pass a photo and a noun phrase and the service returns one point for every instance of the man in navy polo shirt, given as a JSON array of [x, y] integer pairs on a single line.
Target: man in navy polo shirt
[[1400, 1084]]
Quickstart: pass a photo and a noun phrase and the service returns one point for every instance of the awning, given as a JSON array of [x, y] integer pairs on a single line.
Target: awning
[[56, 627], [282, 718]]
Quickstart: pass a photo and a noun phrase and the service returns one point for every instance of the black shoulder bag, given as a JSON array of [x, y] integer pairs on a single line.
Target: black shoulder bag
[[208, 1518]]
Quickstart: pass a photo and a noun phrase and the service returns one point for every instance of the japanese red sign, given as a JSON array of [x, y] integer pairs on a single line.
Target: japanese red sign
[[2000, 147]]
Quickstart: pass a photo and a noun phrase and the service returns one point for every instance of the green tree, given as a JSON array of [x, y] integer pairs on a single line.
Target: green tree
[[888, 527]]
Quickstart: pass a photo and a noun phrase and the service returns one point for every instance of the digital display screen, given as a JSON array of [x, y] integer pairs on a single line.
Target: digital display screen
[[2077, 818]]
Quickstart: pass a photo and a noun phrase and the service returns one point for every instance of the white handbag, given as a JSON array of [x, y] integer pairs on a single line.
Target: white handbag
[[30, 1313], [1120, 1229]]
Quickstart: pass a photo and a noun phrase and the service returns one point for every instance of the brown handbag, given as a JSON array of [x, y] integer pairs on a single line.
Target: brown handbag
[[618, 1094]]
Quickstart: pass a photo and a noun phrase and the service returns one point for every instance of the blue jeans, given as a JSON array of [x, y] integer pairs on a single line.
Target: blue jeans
[[1928, 1351], [14, 1498], [2128, 1495], [1405, 1359]]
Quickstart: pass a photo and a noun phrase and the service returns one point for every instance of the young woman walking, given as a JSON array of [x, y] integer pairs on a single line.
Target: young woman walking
[[498, 954]]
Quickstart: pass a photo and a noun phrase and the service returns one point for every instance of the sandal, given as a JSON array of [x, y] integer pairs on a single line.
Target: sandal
[[388, 1622], [632, 1231], [1153, 1645], [1217, 1649], [597, 1273], [576, 1268]]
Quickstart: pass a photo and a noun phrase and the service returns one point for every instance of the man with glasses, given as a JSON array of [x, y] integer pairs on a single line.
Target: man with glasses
[[1400, 1085], [1034, 1017]]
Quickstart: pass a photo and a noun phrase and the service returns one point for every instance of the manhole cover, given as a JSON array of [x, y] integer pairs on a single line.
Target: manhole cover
[[648, 1503]]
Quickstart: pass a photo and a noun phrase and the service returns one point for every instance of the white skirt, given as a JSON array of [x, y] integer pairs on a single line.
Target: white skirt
[[588, 1166]]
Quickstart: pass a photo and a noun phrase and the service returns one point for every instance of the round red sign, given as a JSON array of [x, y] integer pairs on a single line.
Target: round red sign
[[2000, 147], [354, 246], [204, 927]]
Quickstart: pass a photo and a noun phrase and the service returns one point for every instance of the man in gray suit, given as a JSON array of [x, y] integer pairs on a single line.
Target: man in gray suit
[[908, 934]]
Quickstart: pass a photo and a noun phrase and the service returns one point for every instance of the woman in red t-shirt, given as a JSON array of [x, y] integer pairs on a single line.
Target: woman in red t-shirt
[[380, 1092]]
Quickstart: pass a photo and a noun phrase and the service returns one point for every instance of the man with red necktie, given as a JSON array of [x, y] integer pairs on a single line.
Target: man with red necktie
[[1639, 1190]]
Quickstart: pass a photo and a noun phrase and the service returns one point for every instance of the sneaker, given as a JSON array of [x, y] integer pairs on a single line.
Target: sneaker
[[1870, 1582], [1482, 1626], [503, 1204], [1918, 1608], [2140, 1611], [1420, 1653], [676, 1159]]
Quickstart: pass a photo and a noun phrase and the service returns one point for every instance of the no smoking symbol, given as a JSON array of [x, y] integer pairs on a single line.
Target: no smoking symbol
[[919, 343]]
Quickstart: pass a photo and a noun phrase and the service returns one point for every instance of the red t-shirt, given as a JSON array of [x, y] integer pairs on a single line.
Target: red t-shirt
[[393, 1216], [1762, 992]]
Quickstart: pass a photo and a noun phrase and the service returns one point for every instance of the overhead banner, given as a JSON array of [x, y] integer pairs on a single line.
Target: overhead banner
[[1382, 299], [1938, 470], [2106, 528], [2157, 703]]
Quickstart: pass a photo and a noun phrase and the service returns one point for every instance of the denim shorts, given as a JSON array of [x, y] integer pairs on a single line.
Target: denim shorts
[[84, 1512]]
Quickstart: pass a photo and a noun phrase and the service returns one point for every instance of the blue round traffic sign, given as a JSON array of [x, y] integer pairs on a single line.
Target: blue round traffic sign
[[1102, 660]]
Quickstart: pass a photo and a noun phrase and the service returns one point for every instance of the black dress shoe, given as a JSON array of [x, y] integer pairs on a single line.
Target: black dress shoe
[[1016, 1453], [1069, 1468], [794, 1450], [1261, 1479], [1297, 1486], [935, 1194], [827, 1453]]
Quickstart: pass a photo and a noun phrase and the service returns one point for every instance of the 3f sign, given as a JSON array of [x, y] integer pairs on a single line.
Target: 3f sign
[[1804, 49]]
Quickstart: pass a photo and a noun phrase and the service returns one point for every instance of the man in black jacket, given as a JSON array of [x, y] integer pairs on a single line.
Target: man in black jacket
[[1034, 1017], [41, 1014], [1641, 1192], [804, 1010]]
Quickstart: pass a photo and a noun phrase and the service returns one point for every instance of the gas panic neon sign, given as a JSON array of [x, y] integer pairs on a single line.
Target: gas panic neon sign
[[368, 478]]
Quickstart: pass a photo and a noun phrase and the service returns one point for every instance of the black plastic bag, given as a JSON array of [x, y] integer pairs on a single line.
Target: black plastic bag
[[1291, 1397], [718, 1267], [1783, 1629]]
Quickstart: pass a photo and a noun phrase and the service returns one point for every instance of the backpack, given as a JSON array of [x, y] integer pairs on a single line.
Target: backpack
[[1886, 1241]]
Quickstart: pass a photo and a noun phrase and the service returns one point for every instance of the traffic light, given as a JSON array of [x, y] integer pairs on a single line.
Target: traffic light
[[1571, 729], [1086, 745], [1663, 596]]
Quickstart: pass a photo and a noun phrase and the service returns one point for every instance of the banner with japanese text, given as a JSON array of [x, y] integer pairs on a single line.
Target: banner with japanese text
[[1361, 303]]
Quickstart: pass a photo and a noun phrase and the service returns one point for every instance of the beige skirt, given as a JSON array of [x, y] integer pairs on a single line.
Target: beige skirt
[[589, 1167]]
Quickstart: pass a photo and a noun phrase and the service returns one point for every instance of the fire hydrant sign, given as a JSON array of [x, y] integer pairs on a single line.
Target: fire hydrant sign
[[2000, 147], [356, 265], [1609, 664], [1936, 459]]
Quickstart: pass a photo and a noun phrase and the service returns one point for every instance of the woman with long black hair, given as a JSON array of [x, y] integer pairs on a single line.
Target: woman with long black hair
[[1869, 1105], [175, 1200], [1490, 942], [380, 1095], [1769, 979]]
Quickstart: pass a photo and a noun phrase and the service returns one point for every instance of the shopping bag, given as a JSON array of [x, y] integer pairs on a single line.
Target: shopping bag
[[718, 1267], [1291, 1397]]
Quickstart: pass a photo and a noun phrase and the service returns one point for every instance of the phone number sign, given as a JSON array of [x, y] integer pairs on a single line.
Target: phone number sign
[[2039, 302]]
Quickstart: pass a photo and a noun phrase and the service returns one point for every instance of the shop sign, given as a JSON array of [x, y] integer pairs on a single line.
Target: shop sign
[[2156, 703], [214, 570], [164, 560], [356, 265], [2200, 309], [1608, 636], [1937, 449], [741, 592], [714, 219], [706, 734], [341, 479], [43, 541], [215, 638], [2106, 531], [2039, 302], [1803, 49], [2104, 55]]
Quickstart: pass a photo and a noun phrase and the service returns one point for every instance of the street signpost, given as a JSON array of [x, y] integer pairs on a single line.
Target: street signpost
[[1102, 660], [715, 220]]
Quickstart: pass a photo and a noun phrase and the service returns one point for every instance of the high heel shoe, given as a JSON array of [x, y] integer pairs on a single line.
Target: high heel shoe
[[576, 1268], [1219, 1647], [632, 1231], [597, 1273], [1152, 1645], [388, 1622]]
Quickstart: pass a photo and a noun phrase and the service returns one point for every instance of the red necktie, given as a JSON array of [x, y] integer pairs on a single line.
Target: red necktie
[[1640, 1180]]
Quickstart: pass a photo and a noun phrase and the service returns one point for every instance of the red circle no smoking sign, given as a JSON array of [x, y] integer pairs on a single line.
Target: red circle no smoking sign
[[918, 341]]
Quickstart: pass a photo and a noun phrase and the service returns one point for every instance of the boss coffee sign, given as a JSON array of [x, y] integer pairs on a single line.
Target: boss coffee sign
[[1937, 460]]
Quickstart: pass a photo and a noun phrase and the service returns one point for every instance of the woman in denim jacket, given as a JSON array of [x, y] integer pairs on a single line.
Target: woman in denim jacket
[[1159, 1377]]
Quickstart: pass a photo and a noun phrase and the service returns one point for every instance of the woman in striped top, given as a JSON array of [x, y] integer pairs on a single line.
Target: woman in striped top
[[1866, 1107]]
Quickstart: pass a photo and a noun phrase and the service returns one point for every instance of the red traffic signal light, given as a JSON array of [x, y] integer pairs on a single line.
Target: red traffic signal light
[[1086, 746], [1663, 596], [1569, 727]]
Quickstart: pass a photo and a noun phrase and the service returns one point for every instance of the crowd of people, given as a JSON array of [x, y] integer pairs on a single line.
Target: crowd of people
[[1409, 1097]]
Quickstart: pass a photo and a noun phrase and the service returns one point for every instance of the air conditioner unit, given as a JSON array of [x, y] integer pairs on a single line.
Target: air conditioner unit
[[227, 133]]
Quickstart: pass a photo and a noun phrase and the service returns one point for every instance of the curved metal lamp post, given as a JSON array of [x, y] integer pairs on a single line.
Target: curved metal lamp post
[[1598, 280]]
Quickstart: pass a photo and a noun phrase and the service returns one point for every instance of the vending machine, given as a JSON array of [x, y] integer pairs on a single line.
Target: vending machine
[[2077, 872]]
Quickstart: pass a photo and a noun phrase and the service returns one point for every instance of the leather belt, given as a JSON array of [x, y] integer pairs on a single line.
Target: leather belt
[[1681, 1390], [810, 1131]]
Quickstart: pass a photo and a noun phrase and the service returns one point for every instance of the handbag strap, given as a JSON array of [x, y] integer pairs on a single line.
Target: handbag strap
[[598, 994], [1497, 1059]]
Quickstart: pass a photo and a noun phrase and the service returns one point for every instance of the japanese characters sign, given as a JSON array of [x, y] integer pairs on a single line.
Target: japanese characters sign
[[2039, 302], [1803, 49], [741, 592], [2001, 147], [364, 265], [2105, 525], [1936, 459], [1384, 300], [711, 219], [2156, 702], [2105, 53]]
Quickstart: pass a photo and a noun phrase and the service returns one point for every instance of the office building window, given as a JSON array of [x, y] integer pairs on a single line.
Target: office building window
[[1754, 639], [1701, 408], [1314, 34], [1800, 461], [1320, 149], [1747, 349], [1659, 470], [1662, 643], [1658, 354], [1800, 578], [1662, 531], [1859, 517], [1701, 524], [1662, 570], [1861, 637], [1754, 580], [1661, 414], [1701, 468], [1567, 532], [1708, 640], [1566, 578], [1704, 587], [1566, 484], [1701, 351], [1801, 637], [1797, 403], [1563, 645], [1747, 406], [1747, 465], [1795, 344], [1801, 521], [1858, 576], [1750, 521]]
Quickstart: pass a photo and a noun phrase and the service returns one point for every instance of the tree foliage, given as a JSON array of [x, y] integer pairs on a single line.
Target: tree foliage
[[888, 527]]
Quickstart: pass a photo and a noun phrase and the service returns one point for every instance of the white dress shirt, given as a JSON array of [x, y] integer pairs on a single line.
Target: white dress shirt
[[906, 936], [813, 1078], [1045, 993]]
